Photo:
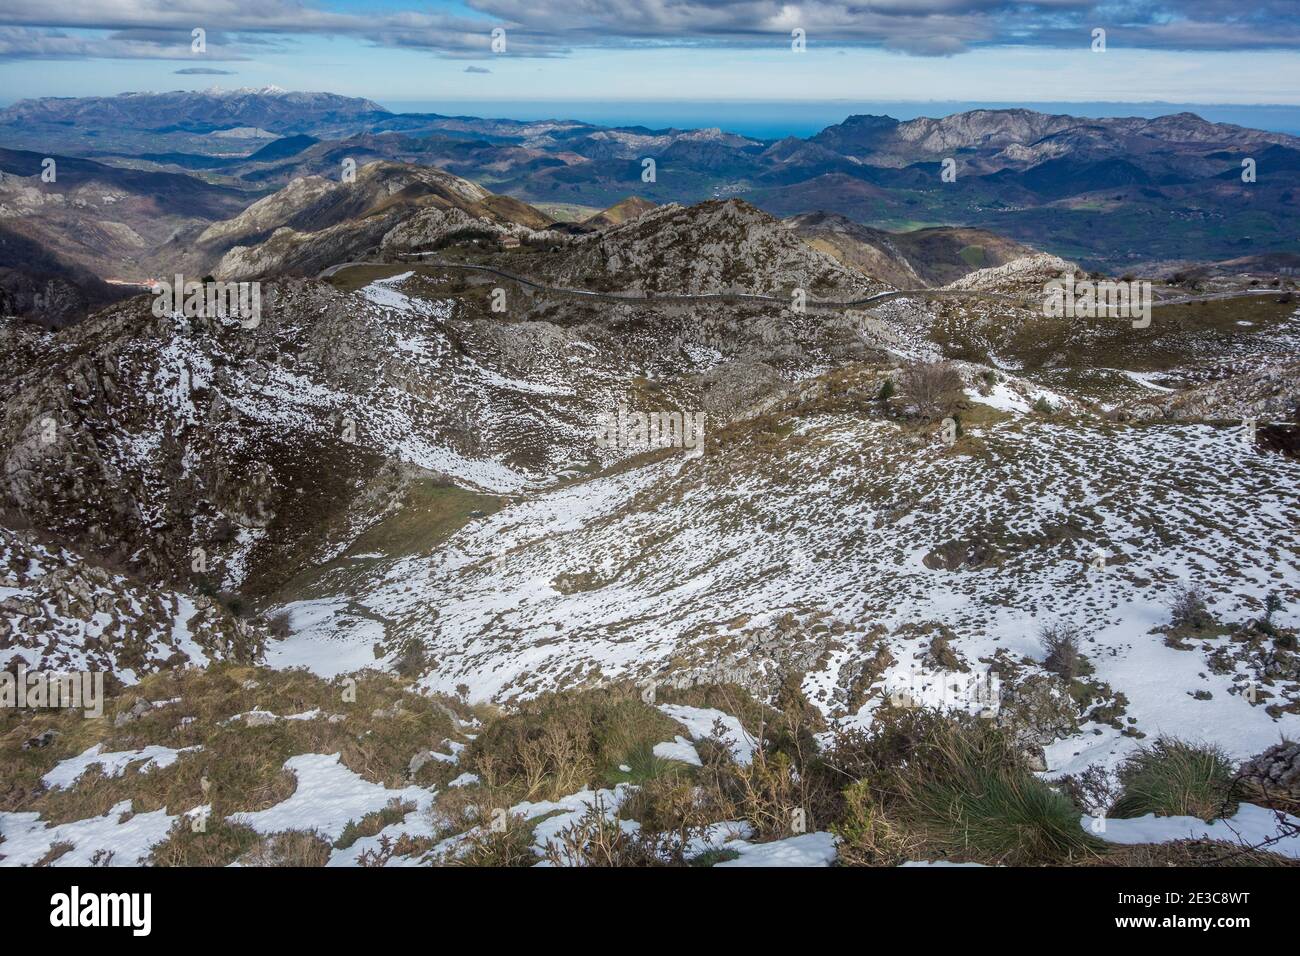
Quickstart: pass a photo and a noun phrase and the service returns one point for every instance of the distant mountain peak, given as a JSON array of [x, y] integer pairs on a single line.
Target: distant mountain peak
[[268, 107]]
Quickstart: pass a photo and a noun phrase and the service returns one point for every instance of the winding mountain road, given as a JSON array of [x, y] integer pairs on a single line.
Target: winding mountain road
[[707, 297]]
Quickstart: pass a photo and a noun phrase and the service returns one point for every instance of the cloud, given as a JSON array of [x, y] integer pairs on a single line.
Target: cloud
[[921, 27], [927, 45], [253, 21], [537, 28], [477, 69], [26, 43], [204, 71]]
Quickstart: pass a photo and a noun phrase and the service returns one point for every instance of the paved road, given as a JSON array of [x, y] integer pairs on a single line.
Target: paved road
[[704, 298], [1213, 296]]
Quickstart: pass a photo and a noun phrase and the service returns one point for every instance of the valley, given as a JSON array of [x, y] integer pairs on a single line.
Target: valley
[[374, 570]]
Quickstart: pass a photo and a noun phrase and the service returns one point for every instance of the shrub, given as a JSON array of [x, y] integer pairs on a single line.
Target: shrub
[[867, 837], [412, 660], [887, 390], [1093, 789], [670, 804], [233, 602], [959, 786], [278, 624], [1272, 604], [1175, 779], [511, 845], [405, 845], [372, 823], [934, 387], [290, 848], [1063, 644], [599, 839], [220, 844], [557, 744], [787, 774], [768, 792], [1190, 611], [1043, 406]]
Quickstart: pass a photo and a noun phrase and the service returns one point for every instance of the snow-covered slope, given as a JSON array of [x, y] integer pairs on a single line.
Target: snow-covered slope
[[61, 612], [851, 539], [417, 481]]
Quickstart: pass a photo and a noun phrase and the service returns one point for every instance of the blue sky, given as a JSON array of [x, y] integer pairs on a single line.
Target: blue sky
[[1190, 51]]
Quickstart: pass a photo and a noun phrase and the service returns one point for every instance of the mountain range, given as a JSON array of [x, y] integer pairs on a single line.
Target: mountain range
[[699, 504], [1118, 194]]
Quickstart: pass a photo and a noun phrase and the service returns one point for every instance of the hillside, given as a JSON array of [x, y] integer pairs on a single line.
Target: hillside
[[906, 260], [718, 246], [94, 222], [889, 517], [269, 108], [316, 222], [133, 198], [619, 213], [61, 611]]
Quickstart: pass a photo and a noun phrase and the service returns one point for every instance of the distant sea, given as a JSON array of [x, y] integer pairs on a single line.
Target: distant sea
[[775, 120]]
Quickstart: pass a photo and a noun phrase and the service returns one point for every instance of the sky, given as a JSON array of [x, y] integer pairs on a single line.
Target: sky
[[691, 51]]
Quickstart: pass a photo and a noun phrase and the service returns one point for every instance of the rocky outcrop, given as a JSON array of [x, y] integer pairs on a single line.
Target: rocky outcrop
[[716, 246], [165, 443], [1275, 774], [1026, 276], [435, 228], [65, 612], [1268, 393]]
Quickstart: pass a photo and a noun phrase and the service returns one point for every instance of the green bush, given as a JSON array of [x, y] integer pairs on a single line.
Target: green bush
[[867, 837], [557, 744], [488, 846], [1172, 778], [960, 788], [1190, 610]]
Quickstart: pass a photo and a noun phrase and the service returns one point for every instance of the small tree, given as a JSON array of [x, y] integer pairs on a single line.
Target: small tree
[[1190, 611], [279, 624], [1273, 604], [412, 660], [933, 387], [1064, 646]]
